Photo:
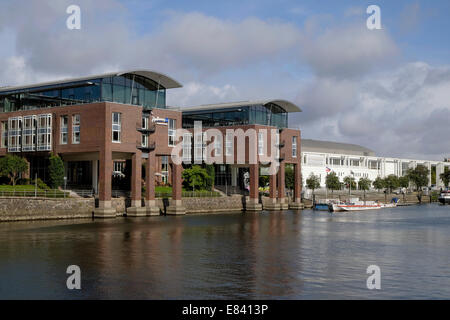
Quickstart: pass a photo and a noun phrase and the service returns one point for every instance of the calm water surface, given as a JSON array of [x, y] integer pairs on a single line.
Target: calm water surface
[[289, 255]]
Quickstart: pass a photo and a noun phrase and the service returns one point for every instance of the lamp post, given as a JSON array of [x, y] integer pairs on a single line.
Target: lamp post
[[65, 186]]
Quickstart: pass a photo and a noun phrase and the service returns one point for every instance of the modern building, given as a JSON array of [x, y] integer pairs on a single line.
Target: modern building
[[344, 159], [246, 139], [98, 125]]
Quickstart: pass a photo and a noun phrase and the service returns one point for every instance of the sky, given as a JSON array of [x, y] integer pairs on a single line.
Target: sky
[[387, 89]]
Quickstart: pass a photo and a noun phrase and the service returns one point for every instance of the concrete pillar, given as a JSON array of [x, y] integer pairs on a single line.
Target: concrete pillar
[[176, 205], [282, 187], [439, 170], [105, 209], [234, 176], [297, 201], [150, 201], [94, 175], [136, 209], [429, 174], [272, 204], [253, 204]]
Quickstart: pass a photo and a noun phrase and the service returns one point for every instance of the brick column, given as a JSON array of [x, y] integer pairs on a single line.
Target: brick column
[[136, 179], [136, 209], [150, 202], [272, 205], [254, 204], [105, 209], [282, 187], [176, 205], [297, 201]]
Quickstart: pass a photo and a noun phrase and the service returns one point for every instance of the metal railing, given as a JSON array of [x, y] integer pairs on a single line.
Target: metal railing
[[190, 194], [55, 193]]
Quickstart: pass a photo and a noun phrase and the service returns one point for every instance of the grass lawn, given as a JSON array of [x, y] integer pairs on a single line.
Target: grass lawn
[[17, 188]]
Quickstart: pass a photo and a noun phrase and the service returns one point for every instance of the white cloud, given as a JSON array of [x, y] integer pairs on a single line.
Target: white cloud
[[404, 113], [195, 93]]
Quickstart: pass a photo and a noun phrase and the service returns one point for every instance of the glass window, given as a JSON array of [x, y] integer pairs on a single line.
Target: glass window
[[198, 147], [64, 123], [217, 146], [116, 127], [260, 143], [29, 133], [76, 123], [172, 132], [294, 147], [14, 134], [44, 129], [229, 141], [4, 134], [187, 146]]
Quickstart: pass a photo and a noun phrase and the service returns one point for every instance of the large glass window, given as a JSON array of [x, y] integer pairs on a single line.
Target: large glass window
[[116, 127], [29, 133], [187, 147], [14, 134], [172, 132], [217, 146], [229, 139], [165, 169], [44, 142], [63, 127], [260, 143], [198, 147], [76, 124]]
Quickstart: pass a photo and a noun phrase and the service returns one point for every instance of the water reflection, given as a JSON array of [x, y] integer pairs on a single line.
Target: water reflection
[[280, 255]]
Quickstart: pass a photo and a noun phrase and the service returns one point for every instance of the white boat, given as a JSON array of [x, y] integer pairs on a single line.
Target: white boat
[[444, 198], [357, 205]]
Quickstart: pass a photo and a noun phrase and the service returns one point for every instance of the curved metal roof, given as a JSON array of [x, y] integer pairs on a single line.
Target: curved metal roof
[[284, 104], [335, 147], [164, 80]]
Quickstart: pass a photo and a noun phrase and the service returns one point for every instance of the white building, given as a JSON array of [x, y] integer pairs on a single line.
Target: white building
[[357, 161]]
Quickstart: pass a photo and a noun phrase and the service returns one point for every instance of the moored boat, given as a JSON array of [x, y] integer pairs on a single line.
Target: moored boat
[[444, 198], [355, 205]]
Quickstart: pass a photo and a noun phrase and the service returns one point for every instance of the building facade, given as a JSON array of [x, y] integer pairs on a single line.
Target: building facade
[[318, 157], [97, 124], [244, 140]]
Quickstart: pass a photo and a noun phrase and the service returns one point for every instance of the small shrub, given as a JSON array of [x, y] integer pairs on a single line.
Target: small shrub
[[41, 184]]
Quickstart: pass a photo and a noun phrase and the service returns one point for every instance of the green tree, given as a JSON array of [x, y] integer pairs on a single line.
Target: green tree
[[211, 171], [378, 183], [403, 182], [349, 180], [13, 166], [56, 171], [313, 182], [391, 182], [445, 177], [364, 184], [195, 178], [289, 177], [332, 182], [419, 176]]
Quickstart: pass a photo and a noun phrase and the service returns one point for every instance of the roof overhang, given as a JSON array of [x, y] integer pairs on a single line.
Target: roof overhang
[[164, 80], [288, 106]]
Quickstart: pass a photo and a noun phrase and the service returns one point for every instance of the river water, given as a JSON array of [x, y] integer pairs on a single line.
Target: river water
[[288, 255]]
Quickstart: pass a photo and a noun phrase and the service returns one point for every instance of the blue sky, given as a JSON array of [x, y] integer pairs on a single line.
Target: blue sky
[[387, 89]]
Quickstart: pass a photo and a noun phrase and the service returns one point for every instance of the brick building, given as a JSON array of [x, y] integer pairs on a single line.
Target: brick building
[[101, 125]]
